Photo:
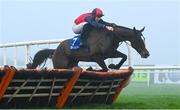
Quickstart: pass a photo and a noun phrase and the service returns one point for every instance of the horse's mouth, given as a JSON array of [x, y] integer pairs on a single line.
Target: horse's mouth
[[145, 54]]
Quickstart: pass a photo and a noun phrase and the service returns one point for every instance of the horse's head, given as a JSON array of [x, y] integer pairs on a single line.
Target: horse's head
[[134, 36], [138, 42]]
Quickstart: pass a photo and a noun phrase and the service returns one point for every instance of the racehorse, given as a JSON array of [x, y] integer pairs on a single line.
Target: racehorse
[[102, 44]]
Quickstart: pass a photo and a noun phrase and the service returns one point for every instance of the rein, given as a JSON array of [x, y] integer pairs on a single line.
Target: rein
[[125, 42]]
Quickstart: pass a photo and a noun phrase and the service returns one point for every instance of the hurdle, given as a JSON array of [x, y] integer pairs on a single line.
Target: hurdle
[[58, 88]]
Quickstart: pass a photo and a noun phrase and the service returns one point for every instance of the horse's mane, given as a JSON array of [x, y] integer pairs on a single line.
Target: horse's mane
[[122, 27], [117, 26], [101, 33]]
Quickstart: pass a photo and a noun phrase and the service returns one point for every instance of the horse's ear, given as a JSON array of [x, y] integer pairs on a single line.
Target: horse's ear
[[134, 28], [142, 29]]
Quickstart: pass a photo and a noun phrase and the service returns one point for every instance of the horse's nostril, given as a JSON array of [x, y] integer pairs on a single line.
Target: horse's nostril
[[147, 55]]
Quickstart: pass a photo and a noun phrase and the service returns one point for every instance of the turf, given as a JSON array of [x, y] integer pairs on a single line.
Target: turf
[[140, 96]]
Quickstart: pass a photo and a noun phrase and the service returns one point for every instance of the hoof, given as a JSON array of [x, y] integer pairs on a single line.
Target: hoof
[[89, 69], [5, 68], [102, 70], [113, 66], [29, 66], [13, 68]]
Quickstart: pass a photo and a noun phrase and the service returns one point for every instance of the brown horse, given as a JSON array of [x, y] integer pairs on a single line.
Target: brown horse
[[102, 44]]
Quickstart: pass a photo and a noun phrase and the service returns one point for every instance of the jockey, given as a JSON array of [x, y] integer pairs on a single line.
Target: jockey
[[84, 22]]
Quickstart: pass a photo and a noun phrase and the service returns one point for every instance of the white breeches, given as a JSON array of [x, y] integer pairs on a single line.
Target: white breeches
[[77, 29]]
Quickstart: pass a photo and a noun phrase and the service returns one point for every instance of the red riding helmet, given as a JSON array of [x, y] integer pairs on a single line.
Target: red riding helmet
[[97, 12]]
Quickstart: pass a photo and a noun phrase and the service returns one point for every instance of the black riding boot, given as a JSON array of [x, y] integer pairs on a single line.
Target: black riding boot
[[84, 35]]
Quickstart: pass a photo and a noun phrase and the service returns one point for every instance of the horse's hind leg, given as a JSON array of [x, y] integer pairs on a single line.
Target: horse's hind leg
[[60, 61], [73, 63]]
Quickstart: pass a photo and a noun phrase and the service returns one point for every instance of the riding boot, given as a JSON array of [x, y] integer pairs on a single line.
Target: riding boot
[[84, 35]]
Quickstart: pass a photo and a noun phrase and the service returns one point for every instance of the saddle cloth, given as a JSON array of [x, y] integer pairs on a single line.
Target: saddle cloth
[[75, 43]]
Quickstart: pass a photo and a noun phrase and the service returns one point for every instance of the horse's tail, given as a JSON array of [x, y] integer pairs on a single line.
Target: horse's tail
[[40, 57]]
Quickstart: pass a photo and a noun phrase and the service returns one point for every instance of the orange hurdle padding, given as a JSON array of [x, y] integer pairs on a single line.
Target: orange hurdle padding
[[119, 89], [63, 96], [6, 81]]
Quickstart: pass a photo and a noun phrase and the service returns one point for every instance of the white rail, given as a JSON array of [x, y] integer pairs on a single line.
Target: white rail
[[157, 67], [27, 48], [40, 42]]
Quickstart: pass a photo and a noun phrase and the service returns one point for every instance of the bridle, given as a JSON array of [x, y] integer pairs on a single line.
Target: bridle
[[143, 38]]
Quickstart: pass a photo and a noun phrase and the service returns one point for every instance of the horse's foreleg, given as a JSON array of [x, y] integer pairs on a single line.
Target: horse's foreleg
[[118, 54]]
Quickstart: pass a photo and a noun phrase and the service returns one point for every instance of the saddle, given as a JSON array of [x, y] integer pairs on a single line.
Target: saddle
[[74, 43], [76, 47]]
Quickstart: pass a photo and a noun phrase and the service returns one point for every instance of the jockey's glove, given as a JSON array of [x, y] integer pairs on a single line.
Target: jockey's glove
[[109, 28]]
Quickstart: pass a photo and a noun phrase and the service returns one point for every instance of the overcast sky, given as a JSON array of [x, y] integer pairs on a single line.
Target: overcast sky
[[31, 20]]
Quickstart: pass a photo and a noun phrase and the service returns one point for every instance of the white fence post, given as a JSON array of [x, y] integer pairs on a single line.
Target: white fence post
[[26, 54], [129, 55], [4, 56], [15, 56]]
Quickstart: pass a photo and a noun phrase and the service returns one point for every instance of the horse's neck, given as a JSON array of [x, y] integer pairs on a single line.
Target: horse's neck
[[103, 41], [120, 34], [124, 33]]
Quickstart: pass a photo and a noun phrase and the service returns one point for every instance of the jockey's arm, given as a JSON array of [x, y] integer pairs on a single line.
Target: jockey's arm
[[104, 22], [108, 26], [107, 23], [95, 24]]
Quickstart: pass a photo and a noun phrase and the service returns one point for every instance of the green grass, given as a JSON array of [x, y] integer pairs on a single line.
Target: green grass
[[147, 101], [139, 96]]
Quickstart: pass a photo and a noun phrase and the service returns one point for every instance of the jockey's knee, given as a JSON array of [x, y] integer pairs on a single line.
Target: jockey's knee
[[87, 27], [85, 30]]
